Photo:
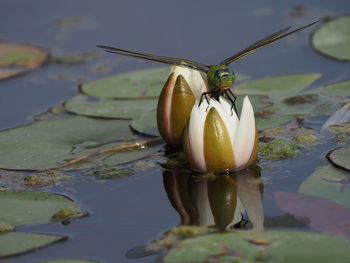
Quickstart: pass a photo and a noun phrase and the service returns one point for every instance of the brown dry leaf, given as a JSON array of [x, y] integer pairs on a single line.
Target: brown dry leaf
[[324, 215], [9, 73], [16, 59], [21, 55]]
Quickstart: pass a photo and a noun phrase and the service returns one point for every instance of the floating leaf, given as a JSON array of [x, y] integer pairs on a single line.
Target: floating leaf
[[339, 117], [278, 87], [272, 121], [20, 58], [330, 183], [48, 144], [9, 73], [33, 207], [146, 124], [333, 38], [15, 243], [340, 157], [108, 108], [324, 215], [260, 102], [340, 89], [139, 84], [21, 55], [268, 246], [66, 260]]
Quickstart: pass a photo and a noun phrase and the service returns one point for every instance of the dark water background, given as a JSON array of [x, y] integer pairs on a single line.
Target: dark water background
[[132, 211]]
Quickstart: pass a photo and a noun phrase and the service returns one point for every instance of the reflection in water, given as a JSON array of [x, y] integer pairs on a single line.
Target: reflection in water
[[216, 201], [221, 201]]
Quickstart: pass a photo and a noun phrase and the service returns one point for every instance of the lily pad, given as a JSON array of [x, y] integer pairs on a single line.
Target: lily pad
[[108, 108], [21, 55], [15, 243], [146, 124], [278, 87], [340, 157], [9, 73], [49, 144], [259, 102], [339, 118], [16, 59], [340, 89], [330, 183], [66, 260], [322, 214], [272, 121], [33, 207], [268, 246], [139, 84], [333, 38]]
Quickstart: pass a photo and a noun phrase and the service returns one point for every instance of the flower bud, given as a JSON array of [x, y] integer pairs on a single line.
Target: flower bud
[[183, 87], [216, 140]]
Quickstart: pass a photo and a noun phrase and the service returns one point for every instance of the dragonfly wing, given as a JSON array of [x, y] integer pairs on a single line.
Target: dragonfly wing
[[159, 59], [262, 43]]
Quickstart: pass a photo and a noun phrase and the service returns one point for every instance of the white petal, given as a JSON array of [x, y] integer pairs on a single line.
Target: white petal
[[202, 203], [230, 119], [249, 193], [245, 137], [193, 78], [196, 133], [237, 213], [197, 83]]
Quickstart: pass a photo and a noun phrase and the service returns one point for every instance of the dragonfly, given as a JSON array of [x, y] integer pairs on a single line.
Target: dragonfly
[[220, 77]]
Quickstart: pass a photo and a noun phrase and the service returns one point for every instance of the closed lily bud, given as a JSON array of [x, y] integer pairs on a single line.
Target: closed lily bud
[[216, 140], [183, 87]]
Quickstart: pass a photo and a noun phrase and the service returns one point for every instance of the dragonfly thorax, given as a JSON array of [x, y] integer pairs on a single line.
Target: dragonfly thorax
[[220, 76]]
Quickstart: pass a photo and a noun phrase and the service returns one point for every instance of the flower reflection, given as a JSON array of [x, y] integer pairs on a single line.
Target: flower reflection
[[215, 201], [221, 201]]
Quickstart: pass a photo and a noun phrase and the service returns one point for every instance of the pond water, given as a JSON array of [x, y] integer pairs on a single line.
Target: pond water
[[132, 211]]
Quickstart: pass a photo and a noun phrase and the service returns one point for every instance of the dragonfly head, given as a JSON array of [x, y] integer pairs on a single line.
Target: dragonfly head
[[221, 76]]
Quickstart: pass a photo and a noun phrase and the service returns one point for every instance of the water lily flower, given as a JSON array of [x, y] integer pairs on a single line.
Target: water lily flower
[[183, 87], [216, 140]]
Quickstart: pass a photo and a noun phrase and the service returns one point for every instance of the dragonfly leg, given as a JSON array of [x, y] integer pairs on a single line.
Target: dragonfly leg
[[232, 98], [204, 94], [212, 92]]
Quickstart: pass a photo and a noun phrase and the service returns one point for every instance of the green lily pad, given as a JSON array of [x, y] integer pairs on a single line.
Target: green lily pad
[[340, 157], [108, 108], [333, 38], [146, 124], [341, 89], [33, 207], [49, 144], [278, 87], [15, 243], [274, 120], [71, 260], [268, 246], [259, 102], [139, 84], [330, 183]]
